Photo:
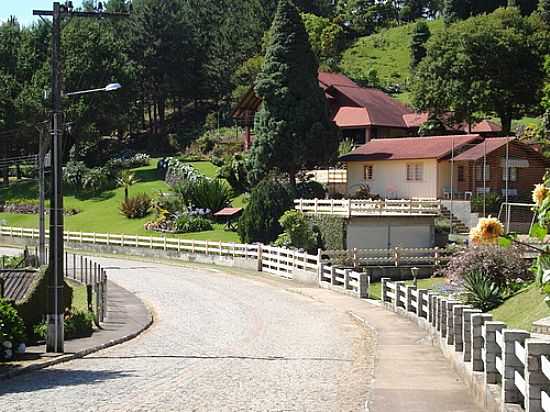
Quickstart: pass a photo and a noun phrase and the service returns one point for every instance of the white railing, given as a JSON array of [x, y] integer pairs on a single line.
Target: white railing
[[329, 176], [517, 361], [287, 263], [352, 207], [388, 257]]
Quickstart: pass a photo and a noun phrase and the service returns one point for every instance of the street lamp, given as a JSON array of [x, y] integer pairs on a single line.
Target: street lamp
[[111, 87]]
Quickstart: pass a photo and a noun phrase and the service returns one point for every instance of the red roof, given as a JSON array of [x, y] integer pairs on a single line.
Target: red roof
[[487, 146], [327, 80], [433, 147], [484, 126], [383, 110], [352, 117]]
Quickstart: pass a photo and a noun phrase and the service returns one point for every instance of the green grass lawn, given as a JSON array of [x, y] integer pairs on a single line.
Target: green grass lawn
[[80, 299], [101, 214], [521, 310], [386, 52], [375, 289]]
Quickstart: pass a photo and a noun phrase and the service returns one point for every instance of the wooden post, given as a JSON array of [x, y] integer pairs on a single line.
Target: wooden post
[[355, 265], [164, 239], [436, 256], [260, 260], [396, 255]]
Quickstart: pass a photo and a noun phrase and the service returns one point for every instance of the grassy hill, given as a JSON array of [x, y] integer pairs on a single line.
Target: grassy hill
[[521, 310], [386, 52]]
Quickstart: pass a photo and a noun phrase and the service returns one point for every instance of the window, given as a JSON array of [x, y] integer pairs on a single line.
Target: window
[[460, 173], [415, 171], [512, 174], [369, 172], [479, 172]]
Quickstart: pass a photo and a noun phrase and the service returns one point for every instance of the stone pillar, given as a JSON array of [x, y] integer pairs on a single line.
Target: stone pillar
[[384, 282], [332, 276], [535, 378], [409, 296], [438, 313], [321, 270], [457, 326], [478, 320], [510, 393], [492, 351], [260, 261], [450, 322], [363, 286], [443, 306], [346, 278], [467, 332], [431, 308], [420, 312]]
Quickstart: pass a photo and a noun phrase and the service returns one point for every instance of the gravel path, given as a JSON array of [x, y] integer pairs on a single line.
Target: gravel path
[[220, 342]]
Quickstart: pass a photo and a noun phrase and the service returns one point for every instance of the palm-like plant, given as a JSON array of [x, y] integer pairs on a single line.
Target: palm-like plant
[[481, 292], [125, 180]]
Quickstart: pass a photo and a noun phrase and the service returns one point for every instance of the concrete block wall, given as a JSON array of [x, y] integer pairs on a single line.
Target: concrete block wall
[[506, 369]]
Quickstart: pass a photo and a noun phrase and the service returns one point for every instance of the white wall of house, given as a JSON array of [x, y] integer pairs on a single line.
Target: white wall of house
[[444, 178], [381, 232], [389, 178]]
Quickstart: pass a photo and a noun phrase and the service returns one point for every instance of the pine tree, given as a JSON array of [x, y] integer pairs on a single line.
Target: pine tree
[[544, 10], [454, 10], [294, 130], [420, 35]]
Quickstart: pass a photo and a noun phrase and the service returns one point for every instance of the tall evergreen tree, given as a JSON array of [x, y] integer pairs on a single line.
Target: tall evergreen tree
[[454, 10], [544, 10], [294, 130], [420, 35]]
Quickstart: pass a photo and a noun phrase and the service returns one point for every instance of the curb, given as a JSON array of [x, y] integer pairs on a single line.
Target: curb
[[80, 354]]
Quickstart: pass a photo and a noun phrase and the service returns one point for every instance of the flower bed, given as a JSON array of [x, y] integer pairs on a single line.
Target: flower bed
[[30, 208]]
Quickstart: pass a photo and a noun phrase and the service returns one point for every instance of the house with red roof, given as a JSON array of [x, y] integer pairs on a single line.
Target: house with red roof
[[361, 113], [436, 166]]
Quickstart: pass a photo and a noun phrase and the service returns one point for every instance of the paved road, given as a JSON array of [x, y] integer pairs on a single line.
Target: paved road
[[220, 342]]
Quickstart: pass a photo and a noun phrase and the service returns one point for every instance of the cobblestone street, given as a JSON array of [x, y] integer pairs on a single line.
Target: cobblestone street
[[220, 342]]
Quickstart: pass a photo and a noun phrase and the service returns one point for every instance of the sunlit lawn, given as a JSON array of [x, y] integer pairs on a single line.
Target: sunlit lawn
[[101, 214]]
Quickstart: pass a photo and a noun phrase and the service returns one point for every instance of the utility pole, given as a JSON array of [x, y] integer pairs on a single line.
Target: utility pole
[[55, 317], [42, 150]]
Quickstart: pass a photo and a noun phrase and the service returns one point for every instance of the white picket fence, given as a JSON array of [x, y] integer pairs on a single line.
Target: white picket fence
[[353, 207], [287, 263], [513, 359]]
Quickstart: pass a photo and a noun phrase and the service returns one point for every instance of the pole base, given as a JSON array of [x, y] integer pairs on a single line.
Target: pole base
[[55, 337]]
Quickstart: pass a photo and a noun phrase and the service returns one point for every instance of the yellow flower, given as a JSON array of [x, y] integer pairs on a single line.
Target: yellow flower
[[487, 230], [539, 194]]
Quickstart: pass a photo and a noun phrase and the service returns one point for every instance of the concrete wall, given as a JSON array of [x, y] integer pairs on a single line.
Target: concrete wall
[[374, 232], [390, 178], [462, 209]]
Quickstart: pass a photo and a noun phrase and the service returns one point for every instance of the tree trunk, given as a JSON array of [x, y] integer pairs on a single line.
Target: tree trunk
[[292, 179], [506, 121], [162, 115], [125, 193]]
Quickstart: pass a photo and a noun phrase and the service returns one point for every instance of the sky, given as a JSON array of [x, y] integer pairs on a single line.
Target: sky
[[22, 9]]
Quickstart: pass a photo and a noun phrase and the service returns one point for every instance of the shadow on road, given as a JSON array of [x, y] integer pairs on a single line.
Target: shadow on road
[[51, 378]]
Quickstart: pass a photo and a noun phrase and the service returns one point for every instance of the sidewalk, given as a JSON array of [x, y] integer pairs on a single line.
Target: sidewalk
[[410, 374], [126, 318]]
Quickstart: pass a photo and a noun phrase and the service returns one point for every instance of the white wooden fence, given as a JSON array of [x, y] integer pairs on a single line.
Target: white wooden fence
[[352, 207], [282, 262], [513, 359], [388, 257]]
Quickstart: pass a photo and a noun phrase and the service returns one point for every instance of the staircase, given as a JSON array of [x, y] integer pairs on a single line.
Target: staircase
[[458, 225]]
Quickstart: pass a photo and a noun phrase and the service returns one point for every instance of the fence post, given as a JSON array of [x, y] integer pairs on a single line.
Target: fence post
[[206, 248], [220, 244], [122, 240], [260, 257], [349, 208], [535, 379], [363, 286], [398, 302], [457, 326], [164, 242], [431, 308], [409, 298], [320, 270], [396, 256], [478, 321], [332, 276], [94, 238], [436, 256], [108, 239], [451, 322], [346, 278], [510, 393], [492, 350], [467, 332], [74, 266], [443, 307], [420, 303], [104, 295], [355, 258], [384, 291]]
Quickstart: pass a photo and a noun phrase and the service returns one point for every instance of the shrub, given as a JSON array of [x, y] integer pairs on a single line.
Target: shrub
[[298, 232], [235, 171], [12, 330], [481, 292], [500, 265], [78, 324], [260, 220], [364, 193], [175, 172], [205, 193], [332, 230], [73, 174], [345, 147], [136, 207], [189, 223], [95, 180], [492, 203], [310, 190], [33, 307]]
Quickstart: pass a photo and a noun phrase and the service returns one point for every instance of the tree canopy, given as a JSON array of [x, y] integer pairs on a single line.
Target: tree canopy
[[294, 130]]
